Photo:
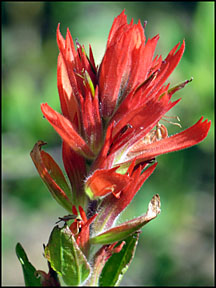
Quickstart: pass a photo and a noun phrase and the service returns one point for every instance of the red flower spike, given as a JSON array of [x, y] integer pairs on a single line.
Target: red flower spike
[[52, 176], [111, 131], [109, 117]]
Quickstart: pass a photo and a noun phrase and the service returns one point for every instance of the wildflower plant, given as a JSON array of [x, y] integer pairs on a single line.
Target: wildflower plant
[[112, 132]]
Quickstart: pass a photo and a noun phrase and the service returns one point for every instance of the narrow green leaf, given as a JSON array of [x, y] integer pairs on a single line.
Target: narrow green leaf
[[28, 269], [66, 258], [118, 263]]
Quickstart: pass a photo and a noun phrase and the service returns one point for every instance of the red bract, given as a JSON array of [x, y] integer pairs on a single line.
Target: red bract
[[80, 229]]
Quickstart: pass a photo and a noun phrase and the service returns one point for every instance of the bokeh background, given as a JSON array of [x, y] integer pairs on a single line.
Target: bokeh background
[[175, 249]]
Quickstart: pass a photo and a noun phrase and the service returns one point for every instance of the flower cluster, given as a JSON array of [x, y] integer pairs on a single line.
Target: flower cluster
[[111, 131]]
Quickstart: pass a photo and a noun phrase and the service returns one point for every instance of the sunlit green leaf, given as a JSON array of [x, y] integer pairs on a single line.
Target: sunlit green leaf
[[118, 263], [28, 269], [66, 258]]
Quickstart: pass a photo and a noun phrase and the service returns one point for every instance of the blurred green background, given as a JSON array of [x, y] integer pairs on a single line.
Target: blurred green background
[[175, 249]]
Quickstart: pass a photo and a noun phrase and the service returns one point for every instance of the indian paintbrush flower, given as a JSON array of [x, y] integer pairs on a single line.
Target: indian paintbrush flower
[[111, 131]]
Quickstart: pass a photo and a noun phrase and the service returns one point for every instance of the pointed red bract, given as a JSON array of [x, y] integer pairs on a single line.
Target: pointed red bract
[[106, 181], [67, 131], [80, 229], [67, 95], [182, 140], [116, 68], [52, 175], [75, 168], [111, 207]]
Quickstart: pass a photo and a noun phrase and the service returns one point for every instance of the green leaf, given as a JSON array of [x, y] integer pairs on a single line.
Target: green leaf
[[28, 269], [118, 263], [66, 258], [126, 229]]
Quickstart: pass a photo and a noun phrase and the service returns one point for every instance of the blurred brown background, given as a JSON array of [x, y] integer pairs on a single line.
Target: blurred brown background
[[175, 249]]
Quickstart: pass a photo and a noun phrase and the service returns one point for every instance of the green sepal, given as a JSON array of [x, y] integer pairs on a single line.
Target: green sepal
[[66, 258], [118, 263], [29, 270], [90, 83]]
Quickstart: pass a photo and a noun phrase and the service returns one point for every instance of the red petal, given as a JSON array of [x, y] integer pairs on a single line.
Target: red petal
[[92, 121], [168, 65], [152, 87], [52, 175], [60, 38], [82, 214], [142, 62], [106, 181], [115, 32], [143, 119], [116, 67], [76, 170], [74, 210], [111, 207], [66, 130], [71, 61], [104, 160], [182, 140], [91, 58], [69, 104], [83, 237]]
